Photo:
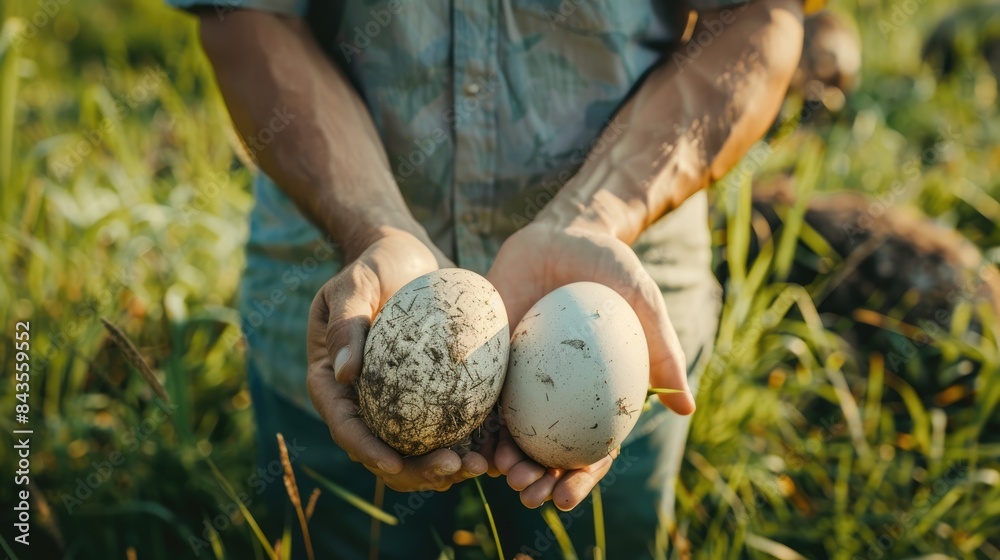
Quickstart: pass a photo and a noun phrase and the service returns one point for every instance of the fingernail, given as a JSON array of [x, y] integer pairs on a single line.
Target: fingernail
[[444, 472], [341, 360]]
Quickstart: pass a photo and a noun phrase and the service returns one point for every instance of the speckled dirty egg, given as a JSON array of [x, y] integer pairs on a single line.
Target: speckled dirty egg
[[434, 361], [578, 375]]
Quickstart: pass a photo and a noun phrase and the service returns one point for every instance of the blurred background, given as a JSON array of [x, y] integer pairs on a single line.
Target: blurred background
[[850, 410]]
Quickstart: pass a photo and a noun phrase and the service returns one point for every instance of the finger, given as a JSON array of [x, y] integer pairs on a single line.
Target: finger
[[507, 453], [473, 465], [576, 485], [487, 449], [412, 482], [438, 471], [338, 407], [517, 295], [436, 464], [524, 474], [351, 300], [667, 364], [535, 495]]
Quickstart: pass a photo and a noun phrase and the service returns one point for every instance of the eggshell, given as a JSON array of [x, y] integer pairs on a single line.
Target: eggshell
[[434, 361], [578, 376]]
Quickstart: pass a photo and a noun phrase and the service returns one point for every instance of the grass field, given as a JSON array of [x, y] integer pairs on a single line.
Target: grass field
[[121, 195]]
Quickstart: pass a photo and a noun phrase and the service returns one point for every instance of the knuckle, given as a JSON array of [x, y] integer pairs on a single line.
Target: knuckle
[[393, 484], [319, 300], [335, 436]]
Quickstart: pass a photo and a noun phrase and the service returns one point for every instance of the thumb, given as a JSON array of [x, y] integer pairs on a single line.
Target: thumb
[[667, 364], [340, 317]]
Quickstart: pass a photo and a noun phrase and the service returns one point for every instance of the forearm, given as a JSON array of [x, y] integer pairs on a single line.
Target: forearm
[[328, 156], [689, 122]]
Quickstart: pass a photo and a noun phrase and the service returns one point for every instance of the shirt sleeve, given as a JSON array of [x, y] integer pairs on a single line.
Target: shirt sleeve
[[809, 6], [282, 7]]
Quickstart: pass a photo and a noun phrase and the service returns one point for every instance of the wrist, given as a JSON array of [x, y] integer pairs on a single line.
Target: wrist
[[564, 213], [623, 195], [365, 234], [603, 205]]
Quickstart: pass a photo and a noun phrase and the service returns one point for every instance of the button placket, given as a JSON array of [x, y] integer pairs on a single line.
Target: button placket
[[474, 89]]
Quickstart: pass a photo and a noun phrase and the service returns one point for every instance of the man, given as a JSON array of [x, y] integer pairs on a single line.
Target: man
[[539, 143]]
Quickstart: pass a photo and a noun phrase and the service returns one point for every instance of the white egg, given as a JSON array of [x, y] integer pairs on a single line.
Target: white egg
[[578, 376], [434, 361]]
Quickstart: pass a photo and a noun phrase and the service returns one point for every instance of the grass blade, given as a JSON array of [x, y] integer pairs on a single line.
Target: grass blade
[[661, 391], [351, 498], [600, 543], [131, 353], [806, 177], [551, 518], [6, 548], [284, 544], [9, 62], [489, 515], [738, 234], [311, 506], [376, 527], [228, 489], [293, 494]]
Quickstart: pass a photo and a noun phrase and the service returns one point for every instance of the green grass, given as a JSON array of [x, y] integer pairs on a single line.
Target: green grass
[[121, 196]]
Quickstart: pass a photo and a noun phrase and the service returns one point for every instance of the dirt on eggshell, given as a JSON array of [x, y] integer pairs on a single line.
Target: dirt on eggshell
[[434, 361], [578, 375]]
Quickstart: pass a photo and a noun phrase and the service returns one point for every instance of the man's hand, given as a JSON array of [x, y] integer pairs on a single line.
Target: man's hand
[[542, 257], [684, 127], [339, 319]]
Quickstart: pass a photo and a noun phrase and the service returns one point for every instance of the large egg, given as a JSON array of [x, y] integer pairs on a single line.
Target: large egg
[[434, 361], [578, 376]]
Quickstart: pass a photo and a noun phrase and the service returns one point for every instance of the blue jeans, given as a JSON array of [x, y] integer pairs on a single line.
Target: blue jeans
[[638, 493]]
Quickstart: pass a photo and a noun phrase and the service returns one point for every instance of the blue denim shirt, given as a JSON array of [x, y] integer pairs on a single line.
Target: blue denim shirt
[[485, 110]]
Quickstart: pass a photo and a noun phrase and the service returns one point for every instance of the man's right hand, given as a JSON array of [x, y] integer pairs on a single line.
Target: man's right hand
[[339, 319]]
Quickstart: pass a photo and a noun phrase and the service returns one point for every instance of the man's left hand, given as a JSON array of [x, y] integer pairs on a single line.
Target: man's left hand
[[544, 256]]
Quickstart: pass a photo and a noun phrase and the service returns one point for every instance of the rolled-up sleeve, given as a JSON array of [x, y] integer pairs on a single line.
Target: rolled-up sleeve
[[283, 7], [809, 6]]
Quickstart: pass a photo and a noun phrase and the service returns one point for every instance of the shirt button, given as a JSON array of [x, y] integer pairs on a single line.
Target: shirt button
[[471, 89]]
